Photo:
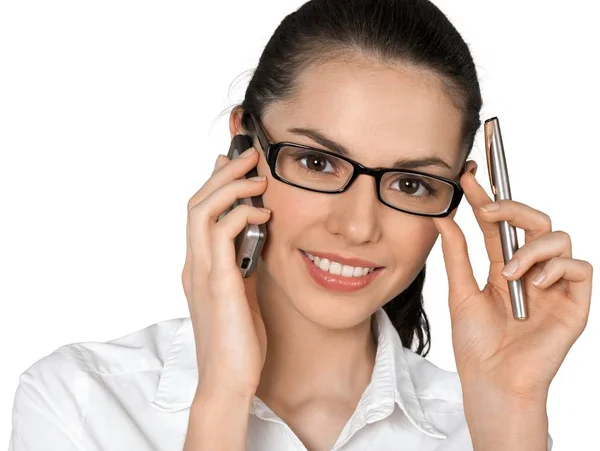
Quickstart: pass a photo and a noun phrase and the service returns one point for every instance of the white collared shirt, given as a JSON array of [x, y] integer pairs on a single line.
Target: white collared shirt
[[134, 393]]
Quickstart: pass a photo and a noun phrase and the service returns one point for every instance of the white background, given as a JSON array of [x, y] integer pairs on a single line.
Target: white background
[[110, 120]]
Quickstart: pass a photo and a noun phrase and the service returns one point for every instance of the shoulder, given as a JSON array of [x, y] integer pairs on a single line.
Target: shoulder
[[142, 350], [76, 395], [63, 382]]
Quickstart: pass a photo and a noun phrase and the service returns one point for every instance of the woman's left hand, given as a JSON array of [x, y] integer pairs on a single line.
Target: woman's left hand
[[518, 359]]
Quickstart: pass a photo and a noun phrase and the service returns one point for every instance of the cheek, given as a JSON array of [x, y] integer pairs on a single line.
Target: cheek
[[410, 246], [412, 239], [294, 213], [293, 209]]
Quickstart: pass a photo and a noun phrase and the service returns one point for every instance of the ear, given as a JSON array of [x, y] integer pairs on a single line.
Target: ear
[[235, 121]]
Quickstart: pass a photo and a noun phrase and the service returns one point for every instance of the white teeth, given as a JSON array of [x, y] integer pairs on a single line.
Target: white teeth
[[348, 271], [322, 263], [339, 269], [334, 267], [360, 272]]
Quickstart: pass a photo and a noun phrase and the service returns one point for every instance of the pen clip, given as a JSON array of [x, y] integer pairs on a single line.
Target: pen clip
[[489, 132]]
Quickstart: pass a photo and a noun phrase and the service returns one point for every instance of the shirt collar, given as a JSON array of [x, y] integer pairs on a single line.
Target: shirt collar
[[391, 383]]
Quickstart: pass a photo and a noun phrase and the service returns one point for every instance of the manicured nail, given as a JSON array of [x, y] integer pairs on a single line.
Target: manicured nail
[[510, 268], [539, 278], [490, 207], [247, 153], [258, 178]]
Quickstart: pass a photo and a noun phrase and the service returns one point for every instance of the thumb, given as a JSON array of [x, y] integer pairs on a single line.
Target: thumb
[[461, 282]]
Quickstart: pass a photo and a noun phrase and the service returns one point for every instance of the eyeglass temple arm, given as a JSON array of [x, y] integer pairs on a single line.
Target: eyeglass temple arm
[[260, 133]]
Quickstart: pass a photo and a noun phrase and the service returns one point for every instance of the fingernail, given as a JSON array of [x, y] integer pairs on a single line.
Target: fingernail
[[510, 268], [539, 278], [247, 153], [218, 160], [490, 207]]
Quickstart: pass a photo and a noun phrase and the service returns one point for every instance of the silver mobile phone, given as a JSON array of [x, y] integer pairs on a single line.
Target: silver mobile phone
[[498, 174], [249, 242]]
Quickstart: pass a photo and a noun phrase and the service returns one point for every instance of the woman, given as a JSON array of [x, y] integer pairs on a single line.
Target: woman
[[291, 358]]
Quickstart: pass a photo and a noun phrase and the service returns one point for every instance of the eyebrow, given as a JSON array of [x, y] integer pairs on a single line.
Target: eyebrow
[[402, 163]]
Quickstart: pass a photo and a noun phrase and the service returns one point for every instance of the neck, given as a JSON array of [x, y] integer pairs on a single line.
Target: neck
[[306, 361]]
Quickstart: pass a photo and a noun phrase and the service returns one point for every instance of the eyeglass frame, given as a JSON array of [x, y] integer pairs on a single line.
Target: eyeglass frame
[[271, 150]]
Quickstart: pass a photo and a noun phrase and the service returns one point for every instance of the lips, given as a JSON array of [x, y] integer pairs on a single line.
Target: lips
[[337, 282]]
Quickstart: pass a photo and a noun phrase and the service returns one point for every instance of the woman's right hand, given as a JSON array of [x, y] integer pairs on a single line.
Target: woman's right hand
[[229, 332]]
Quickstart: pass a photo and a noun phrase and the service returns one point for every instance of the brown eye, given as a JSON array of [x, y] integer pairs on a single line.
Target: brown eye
[[315, 162], [413, 186], [410, 186]]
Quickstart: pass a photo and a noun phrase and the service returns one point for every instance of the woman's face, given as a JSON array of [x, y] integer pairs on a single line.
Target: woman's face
[[380, 115]]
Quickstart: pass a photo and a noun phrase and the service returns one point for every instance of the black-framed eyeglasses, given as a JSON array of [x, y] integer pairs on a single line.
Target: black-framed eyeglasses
[[324, 171]]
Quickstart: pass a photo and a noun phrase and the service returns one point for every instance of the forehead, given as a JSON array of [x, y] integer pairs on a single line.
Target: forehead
[[379, 113]]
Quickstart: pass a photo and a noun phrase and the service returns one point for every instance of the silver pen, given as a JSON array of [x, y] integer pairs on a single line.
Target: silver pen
[[498, 173]]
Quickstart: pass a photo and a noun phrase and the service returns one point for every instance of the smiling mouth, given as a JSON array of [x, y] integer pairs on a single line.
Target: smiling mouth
[[338, 282]]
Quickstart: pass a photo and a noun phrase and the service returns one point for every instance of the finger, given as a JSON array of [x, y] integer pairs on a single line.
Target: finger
[[545, 247], [204, 215], [219, 162], [238, 168], [577, 273], [197, 197], [461, 282], [222, 242], [193, 201], [534, 222]]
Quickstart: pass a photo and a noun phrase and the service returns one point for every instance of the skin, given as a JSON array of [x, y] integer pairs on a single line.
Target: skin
[[320, 352]]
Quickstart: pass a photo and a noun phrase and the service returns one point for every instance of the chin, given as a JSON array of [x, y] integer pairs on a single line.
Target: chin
[[330, 313]]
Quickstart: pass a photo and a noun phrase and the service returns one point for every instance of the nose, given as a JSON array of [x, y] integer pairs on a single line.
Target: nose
[[355, 212]]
